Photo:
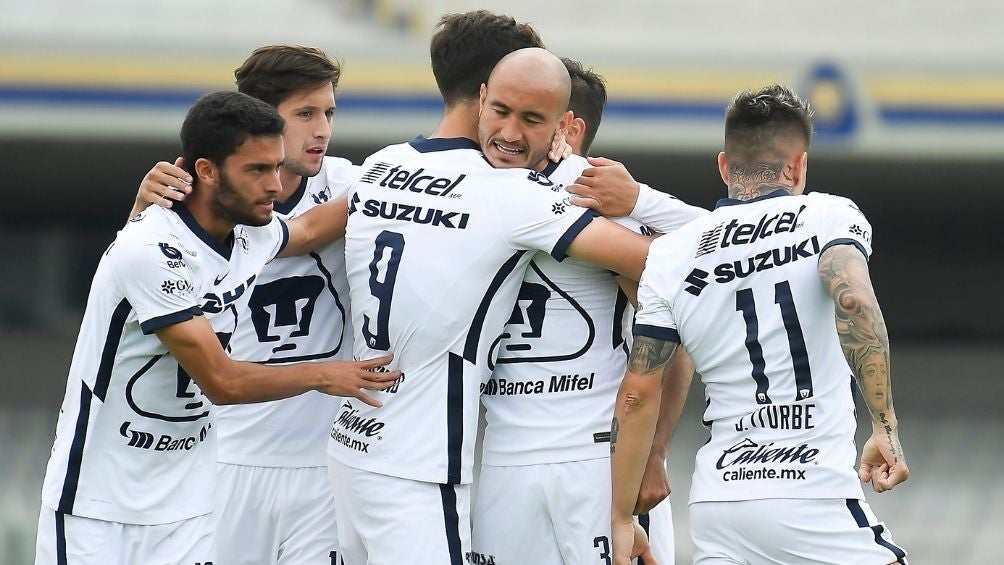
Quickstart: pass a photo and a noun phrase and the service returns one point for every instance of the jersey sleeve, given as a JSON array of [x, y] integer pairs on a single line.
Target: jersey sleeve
[[280, 235], [535, 217], [157, 280], [844, 224], [654, 317], [662, 212]]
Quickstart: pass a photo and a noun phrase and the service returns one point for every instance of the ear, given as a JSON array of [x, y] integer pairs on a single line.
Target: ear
[[206, 171], [565, 120], [482, 97], [799, 169], [575, 134], [723, 167]]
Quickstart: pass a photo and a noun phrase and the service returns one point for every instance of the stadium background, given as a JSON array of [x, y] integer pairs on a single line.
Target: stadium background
[[909, 98]]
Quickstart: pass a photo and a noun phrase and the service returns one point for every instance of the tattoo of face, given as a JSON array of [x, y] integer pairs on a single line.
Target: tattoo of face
[[860, 325], [615, 427], [649, 354], [750, 180]]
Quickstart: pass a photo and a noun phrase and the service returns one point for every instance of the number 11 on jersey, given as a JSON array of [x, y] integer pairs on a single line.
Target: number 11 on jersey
[[796, 342]]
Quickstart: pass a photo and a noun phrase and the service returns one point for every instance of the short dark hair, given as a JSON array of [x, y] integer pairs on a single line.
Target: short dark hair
[[762, 123], [274, 72], [589, 97], [466, 47], [219, 122]]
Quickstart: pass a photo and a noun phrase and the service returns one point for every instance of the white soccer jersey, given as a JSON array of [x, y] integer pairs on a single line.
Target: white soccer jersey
[[562, 355], [436, 248], [298, 312], [740, 289], [135, 440], [659, 211]]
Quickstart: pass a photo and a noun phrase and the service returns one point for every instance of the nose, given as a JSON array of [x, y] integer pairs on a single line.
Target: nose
[[510, 130], [322, 127], [273, 184]]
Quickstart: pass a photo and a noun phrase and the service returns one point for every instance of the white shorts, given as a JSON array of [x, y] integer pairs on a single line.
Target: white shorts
[[272, 515], [384, 520], [658, 524], [788, 530], [552, 514], [65, 539]]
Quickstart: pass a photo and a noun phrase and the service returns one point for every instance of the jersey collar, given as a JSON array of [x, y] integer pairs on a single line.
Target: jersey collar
[[735, 201], [286, 207], [551, 167], [202, 234], [425, 145]]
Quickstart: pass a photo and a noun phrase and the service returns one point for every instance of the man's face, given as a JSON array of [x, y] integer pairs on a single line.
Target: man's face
[[517, 123], [249, 182], [308, 115]]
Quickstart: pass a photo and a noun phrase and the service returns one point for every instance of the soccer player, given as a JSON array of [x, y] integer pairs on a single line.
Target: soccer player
[[436, 246], [544, 490], [771, 296], [272, 455], [132, 473]]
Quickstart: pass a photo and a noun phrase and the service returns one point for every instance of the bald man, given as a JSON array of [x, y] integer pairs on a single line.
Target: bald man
[[543, 493], [436, 247]]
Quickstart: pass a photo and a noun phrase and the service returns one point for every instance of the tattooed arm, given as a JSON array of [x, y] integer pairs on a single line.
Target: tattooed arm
[[635, 415], [865, 343], [675, 386]]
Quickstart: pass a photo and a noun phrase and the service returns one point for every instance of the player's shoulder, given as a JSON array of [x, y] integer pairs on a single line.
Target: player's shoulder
[[153, 236], [831, 207], [332, 181], [566, 170], [338, 169], [827, 199]]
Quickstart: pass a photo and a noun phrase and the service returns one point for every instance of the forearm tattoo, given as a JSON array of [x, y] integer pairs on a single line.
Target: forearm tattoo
[[615, 427], [750, 180], [860, 326], [649, 354]]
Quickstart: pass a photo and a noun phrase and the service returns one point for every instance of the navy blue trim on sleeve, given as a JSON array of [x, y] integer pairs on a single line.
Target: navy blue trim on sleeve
[[285, 238], [154, 324], [657, 332], [560, 250], [846, 241]]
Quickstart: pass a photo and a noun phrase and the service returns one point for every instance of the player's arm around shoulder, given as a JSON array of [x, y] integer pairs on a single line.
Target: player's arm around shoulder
[[317, 227], [843, 270], [611, 246]]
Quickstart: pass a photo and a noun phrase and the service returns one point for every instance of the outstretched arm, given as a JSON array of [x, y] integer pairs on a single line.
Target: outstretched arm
[[631, 432], [225, 381], [611, 246], [317, 227], [865, 342], [675, 386]]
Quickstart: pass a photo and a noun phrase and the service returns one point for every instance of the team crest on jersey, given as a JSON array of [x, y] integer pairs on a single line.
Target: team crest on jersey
[[529, 335]]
